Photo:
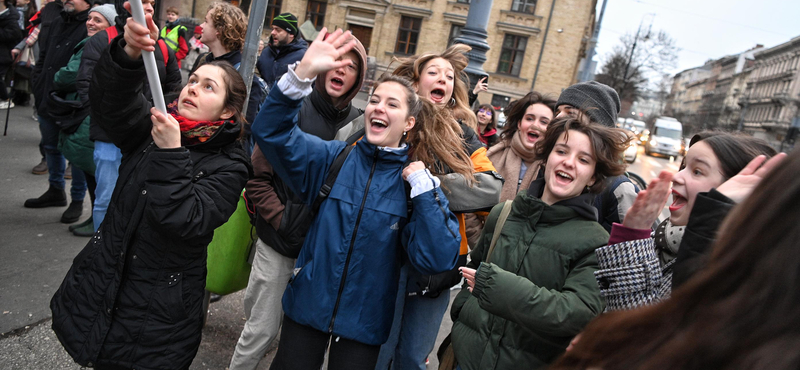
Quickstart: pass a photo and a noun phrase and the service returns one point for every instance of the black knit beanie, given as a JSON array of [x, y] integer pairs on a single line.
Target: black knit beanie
[[287, 21], [599, 101]]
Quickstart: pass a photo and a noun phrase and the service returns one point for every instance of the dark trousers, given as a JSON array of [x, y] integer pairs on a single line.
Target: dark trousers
[[303, 348]]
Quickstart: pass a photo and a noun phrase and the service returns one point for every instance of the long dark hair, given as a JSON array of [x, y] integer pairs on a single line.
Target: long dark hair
[[734, 151], [740, 312], [608, 144], [516, 111]]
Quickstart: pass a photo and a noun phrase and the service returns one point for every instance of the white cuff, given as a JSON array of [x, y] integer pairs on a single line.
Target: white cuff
[[422, 181], [292, 86]]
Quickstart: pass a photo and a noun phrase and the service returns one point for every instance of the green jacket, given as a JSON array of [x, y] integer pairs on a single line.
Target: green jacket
[[537, 292], [76, 147]]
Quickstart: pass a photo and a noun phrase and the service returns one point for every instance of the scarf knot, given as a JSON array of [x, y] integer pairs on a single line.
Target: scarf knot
[[193, 132]]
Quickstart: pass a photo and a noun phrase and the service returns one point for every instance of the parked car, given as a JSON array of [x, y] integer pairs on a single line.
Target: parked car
[[666, 137], [501, 120], [631, 151]]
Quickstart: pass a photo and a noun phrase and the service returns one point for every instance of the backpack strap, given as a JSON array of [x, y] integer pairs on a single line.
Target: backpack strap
[[164, 52], [333, 173], [112, 33], [498, 227]]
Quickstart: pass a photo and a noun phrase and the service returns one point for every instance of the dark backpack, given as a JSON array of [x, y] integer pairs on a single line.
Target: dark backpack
[[297, 216]]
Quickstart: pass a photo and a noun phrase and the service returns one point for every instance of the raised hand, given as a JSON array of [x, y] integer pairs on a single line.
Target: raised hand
[[139, 37], [737, 188], [325, 53], [166, 131], [649, 203], [481, 86]]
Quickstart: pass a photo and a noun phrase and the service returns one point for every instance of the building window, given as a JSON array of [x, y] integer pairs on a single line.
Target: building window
[[511, 55], [524, 6], [463, 1], [273, 10], [455, 31], [407, 35], [316, 13]]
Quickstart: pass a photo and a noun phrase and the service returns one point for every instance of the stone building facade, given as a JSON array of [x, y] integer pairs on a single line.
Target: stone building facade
[[772, 96], [397, 28]]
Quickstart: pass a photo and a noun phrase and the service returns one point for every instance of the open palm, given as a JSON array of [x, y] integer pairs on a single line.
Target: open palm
[[325, 53]]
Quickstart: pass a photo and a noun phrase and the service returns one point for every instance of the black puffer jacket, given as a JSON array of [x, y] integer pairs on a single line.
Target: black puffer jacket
[[10, 34], [54, 52], [133, 296]]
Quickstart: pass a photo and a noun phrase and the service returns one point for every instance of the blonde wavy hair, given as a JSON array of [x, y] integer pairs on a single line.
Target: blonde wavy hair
[[231, 24], [411, 68]]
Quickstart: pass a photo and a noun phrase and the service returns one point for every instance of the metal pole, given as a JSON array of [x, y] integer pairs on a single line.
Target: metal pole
[[588, 74], [544, 41], [258, 10], [474, 34]]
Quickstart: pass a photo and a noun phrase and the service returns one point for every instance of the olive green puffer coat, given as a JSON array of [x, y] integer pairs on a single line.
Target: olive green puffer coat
[[538, 290]]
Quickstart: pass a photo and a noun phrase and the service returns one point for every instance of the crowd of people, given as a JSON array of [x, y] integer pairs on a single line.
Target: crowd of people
[[365, 219]]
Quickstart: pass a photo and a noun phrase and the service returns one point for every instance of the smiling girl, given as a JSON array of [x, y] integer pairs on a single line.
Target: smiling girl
[[712, 159], [527, 296], [133, 297], [487, 124], [345, 281], [472, 185]]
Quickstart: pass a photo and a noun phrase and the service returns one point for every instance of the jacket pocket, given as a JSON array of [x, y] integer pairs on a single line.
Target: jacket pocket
[[174, 296]]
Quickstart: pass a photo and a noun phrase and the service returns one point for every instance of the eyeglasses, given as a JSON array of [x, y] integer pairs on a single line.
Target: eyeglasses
[[486, 112]]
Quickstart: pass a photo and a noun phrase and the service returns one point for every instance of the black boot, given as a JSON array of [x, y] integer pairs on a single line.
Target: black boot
[[53, 197], [73, 212]]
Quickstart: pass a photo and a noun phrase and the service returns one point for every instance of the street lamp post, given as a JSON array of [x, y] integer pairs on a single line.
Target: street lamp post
[[630, 57], [474, 34]]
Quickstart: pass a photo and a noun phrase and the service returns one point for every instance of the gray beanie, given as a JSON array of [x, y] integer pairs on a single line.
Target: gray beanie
[[599, 101], [107, 11]]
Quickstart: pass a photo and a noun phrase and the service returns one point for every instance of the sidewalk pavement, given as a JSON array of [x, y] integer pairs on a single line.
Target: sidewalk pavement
[[37, 250]]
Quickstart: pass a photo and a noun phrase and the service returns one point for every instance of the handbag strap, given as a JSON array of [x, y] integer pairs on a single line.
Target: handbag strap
[[499, 227]]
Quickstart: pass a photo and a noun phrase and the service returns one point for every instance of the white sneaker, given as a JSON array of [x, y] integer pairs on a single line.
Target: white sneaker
[[6, 104]]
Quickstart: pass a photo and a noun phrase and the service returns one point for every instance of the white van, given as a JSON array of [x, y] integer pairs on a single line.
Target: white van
[[665, 138]]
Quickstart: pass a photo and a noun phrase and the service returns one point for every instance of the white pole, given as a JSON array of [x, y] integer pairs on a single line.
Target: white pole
[[149, 61]]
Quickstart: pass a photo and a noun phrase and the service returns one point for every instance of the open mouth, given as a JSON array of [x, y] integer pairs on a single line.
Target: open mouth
[[337, 83], [678, 201], [437, 95], [534, 135], [377, 125], [189, 103], [563, 177]]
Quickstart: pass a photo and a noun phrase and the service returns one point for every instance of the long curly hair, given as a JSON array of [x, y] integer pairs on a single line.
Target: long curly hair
[[411, 68], [230, 22], [608, 144], [435, 138]]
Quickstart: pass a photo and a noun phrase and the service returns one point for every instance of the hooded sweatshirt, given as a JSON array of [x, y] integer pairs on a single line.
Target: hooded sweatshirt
[[278, 208]]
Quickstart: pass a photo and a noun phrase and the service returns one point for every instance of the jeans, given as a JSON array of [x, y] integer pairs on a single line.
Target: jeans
[[303, 348], [262, 305], [414, 329], [56, 164], [107, 158]]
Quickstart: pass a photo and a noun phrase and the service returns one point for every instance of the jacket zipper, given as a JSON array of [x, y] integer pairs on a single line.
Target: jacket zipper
[[352, 242]]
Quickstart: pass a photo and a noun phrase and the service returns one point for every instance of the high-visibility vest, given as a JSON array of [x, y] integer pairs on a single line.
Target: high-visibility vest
[[172, 37]]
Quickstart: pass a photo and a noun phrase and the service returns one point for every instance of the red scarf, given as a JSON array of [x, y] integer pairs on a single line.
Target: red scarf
[[194, 132]]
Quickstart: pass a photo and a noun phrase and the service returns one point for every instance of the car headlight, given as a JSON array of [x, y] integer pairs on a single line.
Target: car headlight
[[677, 146], [653, 142]]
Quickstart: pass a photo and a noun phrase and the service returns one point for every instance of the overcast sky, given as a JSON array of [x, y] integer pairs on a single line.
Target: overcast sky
[[703, 29]]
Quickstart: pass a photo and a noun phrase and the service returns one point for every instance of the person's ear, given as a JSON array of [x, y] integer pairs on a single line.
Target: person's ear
[[591, 182], [226, 114], [410, 122], [416, 87]]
